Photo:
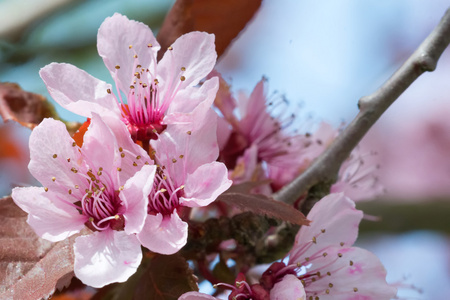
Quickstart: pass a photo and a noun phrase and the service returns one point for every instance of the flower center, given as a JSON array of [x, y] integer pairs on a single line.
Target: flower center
[[165, 196], [145, 108], [101, 203]]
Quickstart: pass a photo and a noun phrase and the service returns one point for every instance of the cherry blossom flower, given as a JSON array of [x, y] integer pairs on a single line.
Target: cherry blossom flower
[[288, 289], [325, 262], [103, 185], [187, 175], [150, 94], [257, 127]]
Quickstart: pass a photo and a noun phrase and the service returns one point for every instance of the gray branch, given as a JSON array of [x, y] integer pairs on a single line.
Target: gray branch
[[325, 168]]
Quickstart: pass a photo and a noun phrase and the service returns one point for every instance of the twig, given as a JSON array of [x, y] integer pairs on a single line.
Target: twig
[[325, 168]]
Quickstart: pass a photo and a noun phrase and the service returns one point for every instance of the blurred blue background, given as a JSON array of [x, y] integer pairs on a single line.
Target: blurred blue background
[[322, 55]]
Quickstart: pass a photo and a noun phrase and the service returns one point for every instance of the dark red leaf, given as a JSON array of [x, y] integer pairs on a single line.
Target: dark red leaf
[[30, 267], [166, 278], [224, 18], [26, 108], [264, 205]]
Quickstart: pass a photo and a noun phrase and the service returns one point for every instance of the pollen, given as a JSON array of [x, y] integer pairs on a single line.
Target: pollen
[[117, 67], [135, 56], [55, 156], [314, 240], [120, 149], [134, 164], [182, 78], [108, 91], [131, 46], [323, 230], [70, 192], [46, 189], [77, 186], [342, 244], [189, 132], [119, 169], [149, 45], [122, 155], [340, 254], [121, 188], [138, 66], [74, 144], [181, 156], [183, 69], [131, 86], [53, 179], [68, 160], [355, 289], [351, 263], [116, 217], [138, 157], [170, 48]]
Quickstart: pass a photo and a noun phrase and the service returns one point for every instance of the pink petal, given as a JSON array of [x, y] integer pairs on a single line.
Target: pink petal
[[206, 183], [134, 157], [47, 139], [289, 288], [334, 222], [135, 198], [165, 235], [196, 296], [114, 38], [105, 257], [48, 214], [77, 91], [192, 102], [100, 145], [195, 51], [178, 146], [355, 274]]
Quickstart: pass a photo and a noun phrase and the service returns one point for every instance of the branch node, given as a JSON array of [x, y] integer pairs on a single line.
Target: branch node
[[425, 63]]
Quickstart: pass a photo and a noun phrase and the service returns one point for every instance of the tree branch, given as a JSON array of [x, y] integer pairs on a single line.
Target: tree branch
[[325, 168]]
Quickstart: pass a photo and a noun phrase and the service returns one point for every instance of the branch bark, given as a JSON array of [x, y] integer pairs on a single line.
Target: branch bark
[[325, 168]]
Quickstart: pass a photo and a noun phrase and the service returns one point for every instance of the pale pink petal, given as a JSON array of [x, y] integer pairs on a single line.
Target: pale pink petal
[[334, 222], [115, 36], [223, 132], [255, 104], [177, 148], [53, 220], [204, 185], [50, 149], [135, 198], [132, 156], [105, 257], [354, 274], [100, 145], [77, 91], [224, 100], [165, 235], [196, 296], [191, 103], [194, 51], [290, 288]]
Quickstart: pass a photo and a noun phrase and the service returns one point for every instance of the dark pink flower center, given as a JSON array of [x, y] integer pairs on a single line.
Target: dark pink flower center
[[165, 195]]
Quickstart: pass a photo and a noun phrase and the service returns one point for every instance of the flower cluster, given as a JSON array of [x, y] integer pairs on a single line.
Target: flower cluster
[[154, 147], [125, 195]]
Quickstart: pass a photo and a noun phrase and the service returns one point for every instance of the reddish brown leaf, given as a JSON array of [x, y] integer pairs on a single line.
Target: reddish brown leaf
[[264, 205], [224, 18], [26, 108], [30, 267], [166, 278]]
